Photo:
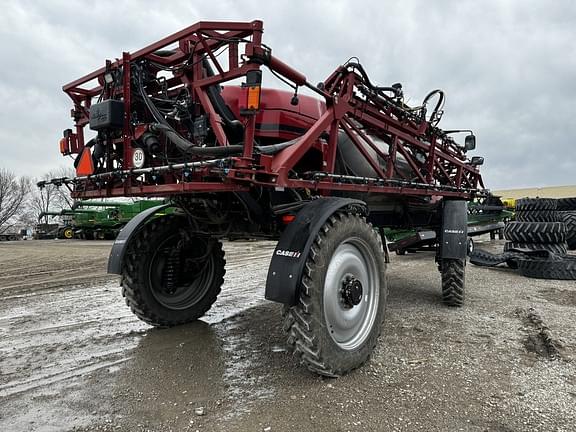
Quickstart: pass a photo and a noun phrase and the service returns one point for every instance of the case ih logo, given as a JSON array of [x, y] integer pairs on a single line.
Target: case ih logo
[[453, 231], [289, 254]]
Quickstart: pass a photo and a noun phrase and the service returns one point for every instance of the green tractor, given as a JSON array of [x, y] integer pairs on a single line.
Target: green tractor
[[103, 220], [97, 220], [486, 215]]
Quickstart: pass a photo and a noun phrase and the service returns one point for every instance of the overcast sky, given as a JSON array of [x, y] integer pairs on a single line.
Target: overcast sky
[[508, 67]]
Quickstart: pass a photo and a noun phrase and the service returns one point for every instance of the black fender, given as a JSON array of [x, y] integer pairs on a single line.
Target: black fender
[[454, 230], [119, 247], [287, 264]]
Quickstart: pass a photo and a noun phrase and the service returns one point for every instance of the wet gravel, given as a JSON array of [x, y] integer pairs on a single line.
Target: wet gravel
[[73, 357]]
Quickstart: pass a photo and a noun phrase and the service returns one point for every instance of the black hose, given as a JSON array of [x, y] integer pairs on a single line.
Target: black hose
[[218, 150], [230, 121], [275, 148], [434, 117], [189, 148], [164, 53], [379, 90], [181, 142]]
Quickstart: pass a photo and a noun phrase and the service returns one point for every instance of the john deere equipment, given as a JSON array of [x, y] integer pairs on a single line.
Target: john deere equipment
[[100, 220]]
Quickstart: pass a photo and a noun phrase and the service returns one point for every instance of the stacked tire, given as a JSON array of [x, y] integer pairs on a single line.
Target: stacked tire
[[544, 224], [538, 226], [566, 211]]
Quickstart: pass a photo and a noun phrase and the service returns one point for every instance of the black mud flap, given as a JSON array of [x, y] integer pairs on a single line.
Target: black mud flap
[[119, 247], [293, 247], [454, 231]]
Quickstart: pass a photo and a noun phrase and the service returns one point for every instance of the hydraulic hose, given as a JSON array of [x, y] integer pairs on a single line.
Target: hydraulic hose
[[180, 142], [435, 116], [379, 90], [218, 150], [190, 148]]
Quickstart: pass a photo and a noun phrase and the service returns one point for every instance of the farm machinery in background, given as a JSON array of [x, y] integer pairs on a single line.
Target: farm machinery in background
[[93, 220], [13, 234], [509, 203], [187, 118], [486, 215]]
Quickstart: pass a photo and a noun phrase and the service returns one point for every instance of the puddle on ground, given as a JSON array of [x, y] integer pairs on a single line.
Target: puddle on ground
[[75, 357], [244, 380]]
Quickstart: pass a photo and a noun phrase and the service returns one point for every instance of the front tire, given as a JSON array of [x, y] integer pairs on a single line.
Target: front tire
[[335, 325], [171, 275]]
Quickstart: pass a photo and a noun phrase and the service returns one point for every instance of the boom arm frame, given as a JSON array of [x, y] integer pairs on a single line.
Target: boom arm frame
[[439, 165]]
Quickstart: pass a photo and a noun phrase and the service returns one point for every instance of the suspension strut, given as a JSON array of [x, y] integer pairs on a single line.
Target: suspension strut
[[172, 269]]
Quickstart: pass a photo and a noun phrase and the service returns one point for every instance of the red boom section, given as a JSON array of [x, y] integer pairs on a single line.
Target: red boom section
[[214, 141]]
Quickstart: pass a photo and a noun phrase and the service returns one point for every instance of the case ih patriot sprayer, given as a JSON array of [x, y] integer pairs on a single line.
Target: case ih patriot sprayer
[[187, 118]]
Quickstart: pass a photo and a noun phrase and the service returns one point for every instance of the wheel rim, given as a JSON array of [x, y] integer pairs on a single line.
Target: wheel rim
[[350, 324], [68, 234], [194, 281]]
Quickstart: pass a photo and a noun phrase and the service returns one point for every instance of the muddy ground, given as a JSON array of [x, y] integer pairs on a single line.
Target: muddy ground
[[73, 357]]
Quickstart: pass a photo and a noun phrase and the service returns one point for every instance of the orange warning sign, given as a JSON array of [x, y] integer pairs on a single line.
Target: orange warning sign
[[86, 165]]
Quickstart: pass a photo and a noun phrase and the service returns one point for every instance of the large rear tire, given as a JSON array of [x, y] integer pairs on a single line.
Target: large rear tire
[[335, 325], [535, 232], [170, 275]]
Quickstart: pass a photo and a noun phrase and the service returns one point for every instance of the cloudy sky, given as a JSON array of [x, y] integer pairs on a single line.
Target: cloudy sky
[[508, 67]]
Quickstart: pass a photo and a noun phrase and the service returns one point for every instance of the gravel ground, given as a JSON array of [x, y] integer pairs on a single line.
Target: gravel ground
[[73, 357]]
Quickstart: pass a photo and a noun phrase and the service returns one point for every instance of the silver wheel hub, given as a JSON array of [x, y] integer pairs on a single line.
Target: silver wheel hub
[[351, 293]]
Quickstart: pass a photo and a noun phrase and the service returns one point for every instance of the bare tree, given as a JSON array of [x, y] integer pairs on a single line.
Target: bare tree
[[50, 197], [13, 194]]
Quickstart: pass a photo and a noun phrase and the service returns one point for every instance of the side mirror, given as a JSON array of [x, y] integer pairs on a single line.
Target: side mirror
[[477, 161], [469, 142]]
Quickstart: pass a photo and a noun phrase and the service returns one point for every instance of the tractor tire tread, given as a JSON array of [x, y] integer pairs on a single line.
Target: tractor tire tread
[[557, 248], [531, 204], [569, 219], [537, 216], [566, 204], [453, 282], [562, 269], [535, 232]]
